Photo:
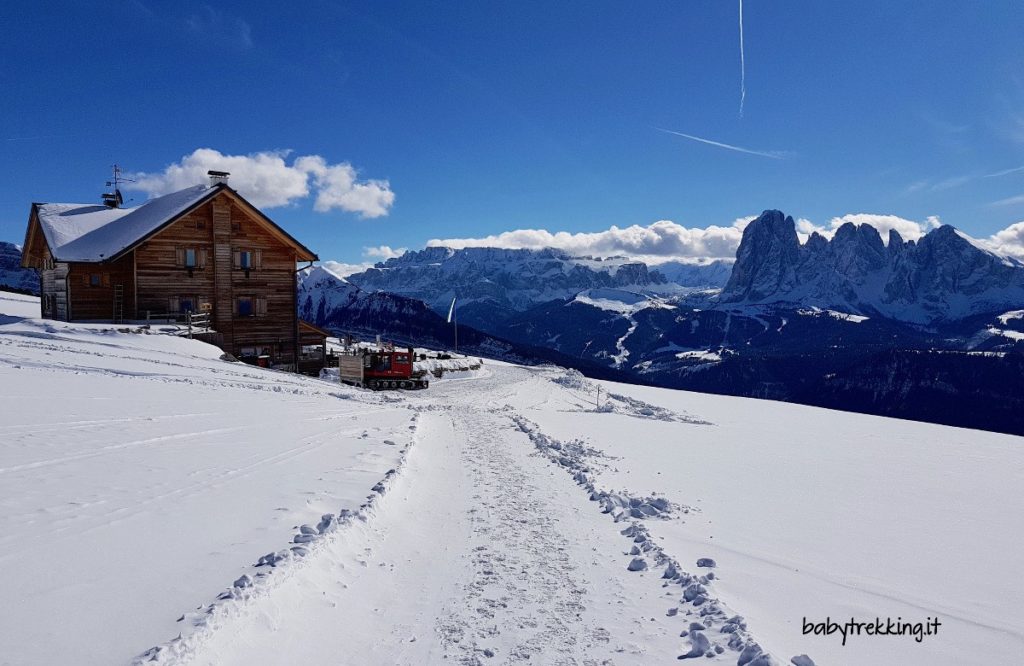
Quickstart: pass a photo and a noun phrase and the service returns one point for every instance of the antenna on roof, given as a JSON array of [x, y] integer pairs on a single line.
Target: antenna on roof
[[114, 199], [218, 177]]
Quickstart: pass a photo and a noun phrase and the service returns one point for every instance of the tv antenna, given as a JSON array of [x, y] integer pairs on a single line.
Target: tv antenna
[[114, 199]]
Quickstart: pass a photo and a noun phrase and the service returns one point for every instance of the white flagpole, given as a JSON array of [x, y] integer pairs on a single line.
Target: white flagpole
[[453, 318]]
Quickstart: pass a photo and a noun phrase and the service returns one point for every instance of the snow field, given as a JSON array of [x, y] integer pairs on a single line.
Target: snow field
[[813, 513], [513, 516], [142, 474]]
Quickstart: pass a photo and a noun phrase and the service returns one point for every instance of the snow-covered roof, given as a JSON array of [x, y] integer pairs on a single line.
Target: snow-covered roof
[[87, 232]]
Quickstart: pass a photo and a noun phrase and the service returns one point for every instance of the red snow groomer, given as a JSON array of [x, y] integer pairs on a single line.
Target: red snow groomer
[[383, 368]]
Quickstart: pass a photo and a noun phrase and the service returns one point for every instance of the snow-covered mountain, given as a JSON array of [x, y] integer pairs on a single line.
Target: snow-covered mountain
[[946, 276], [493, 284], [332, 302], [840, 323], [12, 275]]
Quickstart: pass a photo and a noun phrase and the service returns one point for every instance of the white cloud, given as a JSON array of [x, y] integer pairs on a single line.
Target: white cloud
[[384, 252], [337, 187], [908, 229], [1008, 241], [666, 240], [268, 181], [663, 239]]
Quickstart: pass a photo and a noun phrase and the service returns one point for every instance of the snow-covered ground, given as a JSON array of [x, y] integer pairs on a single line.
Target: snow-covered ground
[[515, 516]]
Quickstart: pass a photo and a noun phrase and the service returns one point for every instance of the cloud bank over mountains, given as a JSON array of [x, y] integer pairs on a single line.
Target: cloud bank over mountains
[[666, 240], [269, 181]]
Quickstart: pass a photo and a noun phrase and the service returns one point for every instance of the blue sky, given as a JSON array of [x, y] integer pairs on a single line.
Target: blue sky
[[485, 117]]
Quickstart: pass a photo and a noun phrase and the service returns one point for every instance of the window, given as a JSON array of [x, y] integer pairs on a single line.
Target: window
[[248, 260], [187, 304], [95, 280], [190, 257], [251, 306]]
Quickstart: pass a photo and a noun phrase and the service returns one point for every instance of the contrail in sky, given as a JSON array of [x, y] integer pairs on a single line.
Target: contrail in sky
[[1004, 172], [743, 65], [775, 155]]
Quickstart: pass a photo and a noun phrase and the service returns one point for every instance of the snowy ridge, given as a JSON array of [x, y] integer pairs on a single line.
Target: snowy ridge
[[273, 568], [12, 275], [508, 281]]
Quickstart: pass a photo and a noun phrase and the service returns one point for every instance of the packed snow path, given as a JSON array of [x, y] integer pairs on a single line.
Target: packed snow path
[[483, 552]]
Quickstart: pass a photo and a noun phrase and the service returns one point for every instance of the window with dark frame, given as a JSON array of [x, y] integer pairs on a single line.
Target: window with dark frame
[[245, 306]]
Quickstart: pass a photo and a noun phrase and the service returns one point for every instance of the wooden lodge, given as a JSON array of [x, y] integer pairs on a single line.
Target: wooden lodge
[[204, 250]]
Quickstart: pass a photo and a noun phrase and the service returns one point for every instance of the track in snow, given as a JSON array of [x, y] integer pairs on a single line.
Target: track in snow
[[483, 552]]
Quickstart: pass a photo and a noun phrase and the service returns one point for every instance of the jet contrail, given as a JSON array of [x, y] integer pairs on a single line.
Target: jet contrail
[[743, 65], [775, 155], [1004, 172]]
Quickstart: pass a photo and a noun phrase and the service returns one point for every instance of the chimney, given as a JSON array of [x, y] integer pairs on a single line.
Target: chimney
[[218, 177]]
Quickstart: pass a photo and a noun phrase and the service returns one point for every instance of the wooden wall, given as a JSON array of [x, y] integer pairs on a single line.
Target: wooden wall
[[161, 277], [92, 301], [221, 229]]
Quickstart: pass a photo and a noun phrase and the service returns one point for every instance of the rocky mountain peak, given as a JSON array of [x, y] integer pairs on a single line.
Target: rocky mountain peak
[[766, 260], [944, 276]]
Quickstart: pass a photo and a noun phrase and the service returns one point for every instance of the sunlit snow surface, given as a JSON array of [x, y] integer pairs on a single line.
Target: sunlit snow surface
[[490, 519]]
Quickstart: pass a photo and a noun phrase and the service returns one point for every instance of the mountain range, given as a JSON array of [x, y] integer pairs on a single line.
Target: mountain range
[[946, 276], [492, 284], [931, 329], [12, 276], [852, 322]]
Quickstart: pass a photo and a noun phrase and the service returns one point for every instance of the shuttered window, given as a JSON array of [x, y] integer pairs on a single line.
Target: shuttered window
[[190, 257], [173, 304], [248, 259], [251, 306]]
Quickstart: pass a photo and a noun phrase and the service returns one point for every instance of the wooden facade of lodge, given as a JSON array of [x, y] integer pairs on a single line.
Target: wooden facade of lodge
[[202, 250]]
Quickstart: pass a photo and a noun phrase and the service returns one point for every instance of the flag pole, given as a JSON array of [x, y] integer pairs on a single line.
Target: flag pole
[[453, 318]]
